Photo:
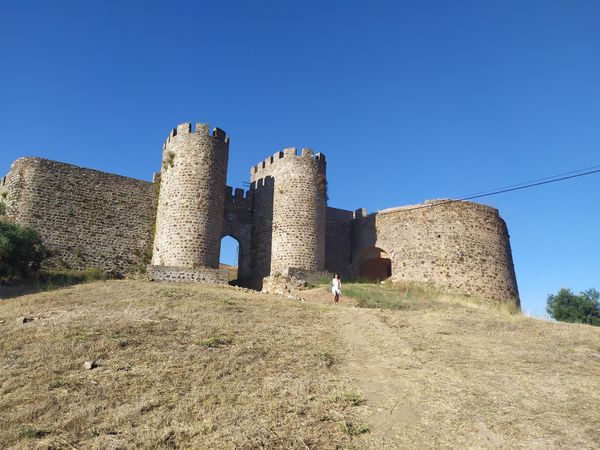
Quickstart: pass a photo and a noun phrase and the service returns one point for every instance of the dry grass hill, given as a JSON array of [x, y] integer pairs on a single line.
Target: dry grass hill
[[192, 366]]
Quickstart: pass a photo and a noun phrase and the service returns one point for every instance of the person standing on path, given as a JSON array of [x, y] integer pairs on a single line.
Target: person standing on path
[[336, 288]]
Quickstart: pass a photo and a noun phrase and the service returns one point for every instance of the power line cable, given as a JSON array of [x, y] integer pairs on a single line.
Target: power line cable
[[515, 187], [587, 169]]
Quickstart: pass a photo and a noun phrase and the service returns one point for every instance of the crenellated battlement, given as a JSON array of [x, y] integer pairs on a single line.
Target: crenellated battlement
[[359, 213], [260, 183], [201, 129], [238, 196], [266, 166]]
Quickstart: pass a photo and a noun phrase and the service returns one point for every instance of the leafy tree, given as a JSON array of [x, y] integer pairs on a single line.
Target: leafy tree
[[21, 250], [566, 306]]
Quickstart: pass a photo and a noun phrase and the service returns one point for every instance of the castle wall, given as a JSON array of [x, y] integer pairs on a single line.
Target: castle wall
[[298, 213], [237, 223], [86, 218], [178, 274], [338, 241], [262, 230], [461, 246], [189, 218]]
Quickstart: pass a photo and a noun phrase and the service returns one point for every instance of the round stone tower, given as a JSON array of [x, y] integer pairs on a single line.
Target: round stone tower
[[299, 188], [189, 218]]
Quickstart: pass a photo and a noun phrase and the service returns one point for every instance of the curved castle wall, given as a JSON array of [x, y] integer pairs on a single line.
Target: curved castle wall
[[456, 245], [189, 217], [297, 213]]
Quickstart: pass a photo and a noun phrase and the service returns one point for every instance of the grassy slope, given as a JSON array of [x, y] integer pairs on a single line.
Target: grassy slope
[[180, 366], [469, 376], [209, 367]]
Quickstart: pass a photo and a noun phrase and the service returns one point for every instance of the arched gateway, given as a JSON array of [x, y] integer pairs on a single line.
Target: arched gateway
[[374, 264]]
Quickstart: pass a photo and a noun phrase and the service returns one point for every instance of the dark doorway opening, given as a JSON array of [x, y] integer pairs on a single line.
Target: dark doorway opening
[[375, 264]]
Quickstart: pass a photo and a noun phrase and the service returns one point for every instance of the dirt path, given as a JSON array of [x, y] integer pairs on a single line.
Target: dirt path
[[373, 365]]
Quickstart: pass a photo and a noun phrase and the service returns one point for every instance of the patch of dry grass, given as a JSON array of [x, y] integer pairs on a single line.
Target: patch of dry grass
[[460, 374], [192, 366], [185, 366]]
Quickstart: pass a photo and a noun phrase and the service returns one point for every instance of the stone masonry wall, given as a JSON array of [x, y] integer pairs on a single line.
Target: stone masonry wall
[[179, 274], [338, 242], [237, 223], [299, 203], [262, 230], [3, 196], [461, 246], [86, 218], [189, 218]]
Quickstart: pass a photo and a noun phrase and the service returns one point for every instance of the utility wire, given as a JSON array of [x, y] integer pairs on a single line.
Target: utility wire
[[532, 184], [553, 177], [515, 187]]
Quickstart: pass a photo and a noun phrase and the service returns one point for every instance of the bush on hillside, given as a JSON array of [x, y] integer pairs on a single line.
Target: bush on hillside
[[21, 251], [566, 306]]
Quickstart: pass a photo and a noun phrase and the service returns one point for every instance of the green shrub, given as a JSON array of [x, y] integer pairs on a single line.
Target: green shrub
[[215, 341], [352, 429], [21, 251], [29, 432], [566, 306], [2, 209], [353, 398]]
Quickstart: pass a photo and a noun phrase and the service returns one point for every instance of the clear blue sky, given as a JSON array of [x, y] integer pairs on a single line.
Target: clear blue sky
[[408, 100]]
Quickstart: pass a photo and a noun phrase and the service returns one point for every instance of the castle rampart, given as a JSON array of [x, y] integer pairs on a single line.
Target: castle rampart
[[86, 218]]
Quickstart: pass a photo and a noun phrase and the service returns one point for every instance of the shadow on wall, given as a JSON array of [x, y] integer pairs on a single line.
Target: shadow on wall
[[374, 264], [262, 232]]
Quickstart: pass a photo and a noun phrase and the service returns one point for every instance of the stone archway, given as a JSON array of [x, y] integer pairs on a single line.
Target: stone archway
[[230, 256], [374, 264]]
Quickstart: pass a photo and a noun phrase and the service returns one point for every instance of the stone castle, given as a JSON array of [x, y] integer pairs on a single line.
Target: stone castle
[[172, 227]]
